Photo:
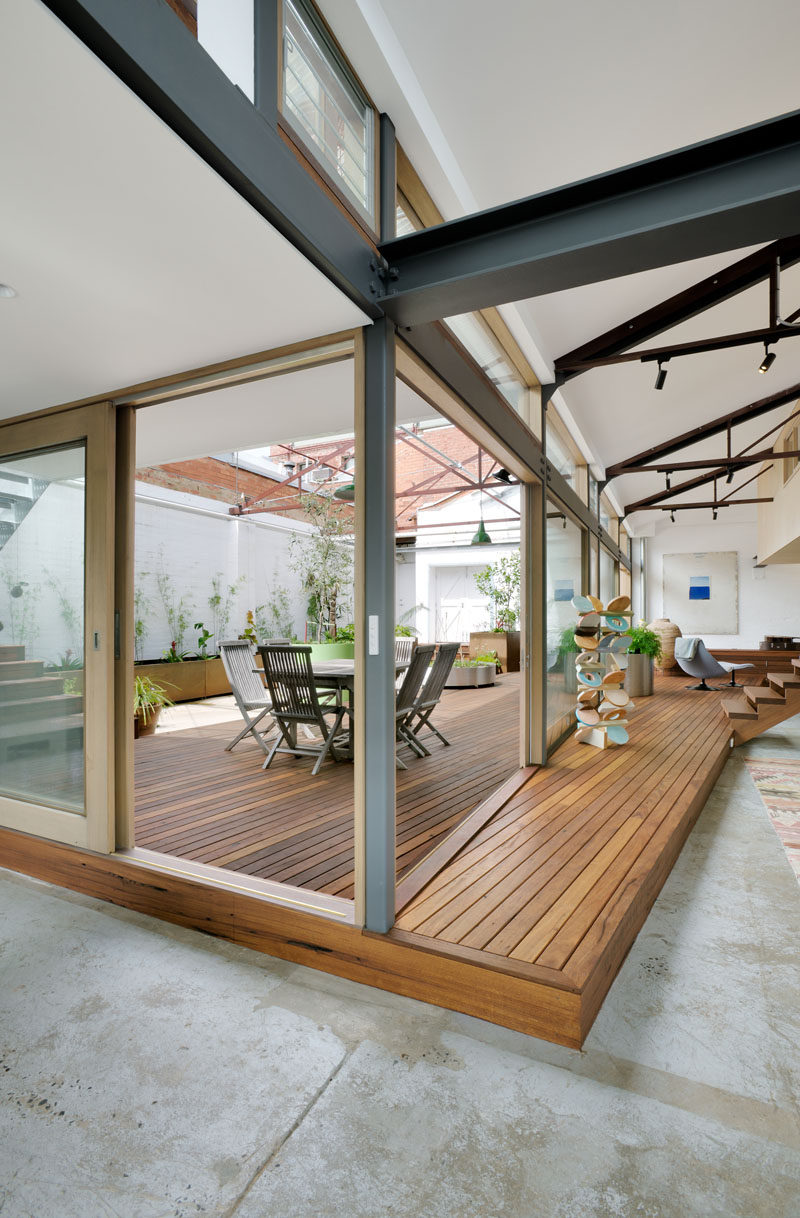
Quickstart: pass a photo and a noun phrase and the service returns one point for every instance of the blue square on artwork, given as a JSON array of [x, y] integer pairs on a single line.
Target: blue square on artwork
[[699, 587]]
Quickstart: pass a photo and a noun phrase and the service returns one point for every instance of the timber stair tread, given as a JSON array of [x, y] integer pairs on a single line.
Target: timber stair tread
[[11, 670], [757, 694], [781, 681], [31, 708], [739, 708], [10, 653], [44, 727], [16, 690]]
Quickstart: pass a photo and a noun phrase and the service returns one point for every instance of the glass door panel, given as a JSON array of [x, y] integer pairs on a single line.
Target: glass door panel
[[42, 568], [56, 637]]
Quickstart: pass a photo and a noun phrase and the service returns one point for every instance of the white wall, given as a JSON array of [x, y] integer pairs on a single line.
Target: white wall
[[193, 539], [769, 597], [43, 560]]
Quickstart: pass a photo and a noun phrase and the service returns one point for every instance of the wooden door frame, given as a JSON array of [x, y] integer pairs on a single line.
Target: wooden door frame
[[94, 829]]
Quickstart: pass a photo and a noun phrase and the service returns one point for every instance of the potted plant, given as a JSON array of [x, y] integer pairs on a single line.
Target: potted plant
[[643, 649], [564, 663], [500, 583], [472, 673], [324, 561], [148, 701]]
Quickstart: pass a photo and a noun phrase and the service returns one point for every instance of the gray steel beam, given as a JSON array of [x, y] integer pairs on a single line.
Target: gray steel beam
[[153, 53], [388, 179], [739, 189], [376, 481]]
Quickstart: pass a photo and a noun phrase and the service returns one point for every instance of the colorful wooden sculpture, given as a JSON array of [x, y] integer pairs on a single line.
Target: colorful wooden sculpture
[[603, 703]]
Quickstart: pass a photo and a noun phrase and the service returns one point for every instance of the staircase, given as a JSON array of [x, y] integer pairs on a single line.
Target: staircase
[[18, 494], [37, 719], [759, 707]]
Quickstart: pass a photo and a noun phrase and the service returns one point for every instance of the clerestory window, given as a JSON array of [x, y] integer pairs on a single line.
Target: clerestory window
[[326, 107]]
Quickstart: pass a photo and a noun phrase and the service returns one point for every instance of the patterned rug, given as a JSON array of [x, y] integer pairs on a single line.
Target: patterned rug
[[778, 784]]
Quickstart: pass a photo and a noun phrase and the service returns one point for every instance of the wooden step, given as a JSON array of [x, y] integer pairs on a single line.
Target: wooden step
[[761, 694], [739, 708], [783, 682], [29, 733], [34, 687], [11, 652], [18, 670], [53, 706], [796, 664]]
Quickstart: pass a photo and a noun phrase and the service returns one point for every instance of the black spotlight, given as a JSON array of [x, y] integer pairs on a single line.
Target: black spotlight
[[672, 517], [502, 475], [767, 361], [661, 376], [713, 513], [729, 477]]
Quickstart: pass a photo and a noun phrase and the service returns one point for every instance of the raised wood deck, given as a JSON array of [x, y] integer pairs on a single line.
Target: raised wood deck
[[557, 884], [197, 802], [528, 922]]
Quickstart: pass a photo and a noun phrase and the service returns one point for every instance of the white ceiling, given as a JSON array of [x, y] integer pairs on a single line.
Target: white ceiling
[[131, 258], [497, 101], [299, 406]]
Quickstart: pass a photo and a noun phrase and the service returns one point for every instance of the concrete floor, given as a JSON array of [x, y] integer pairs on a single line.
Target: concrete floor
[[147, 1071]]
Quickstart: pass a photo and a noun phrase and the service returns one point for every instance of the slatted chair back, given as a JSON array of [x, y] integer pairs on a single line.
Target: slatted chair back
[[435, 683], [238, 660], [416, 672], [290, 681], [404, 649]]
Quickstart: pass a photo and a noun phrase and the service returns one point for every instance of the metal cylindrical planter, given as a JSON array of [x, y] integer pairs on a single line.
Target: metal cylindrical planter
[[639, 677]]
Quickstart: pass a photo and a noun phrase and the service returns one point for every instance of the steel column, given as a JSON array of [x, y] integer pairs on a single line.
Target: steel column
[[375, 580]]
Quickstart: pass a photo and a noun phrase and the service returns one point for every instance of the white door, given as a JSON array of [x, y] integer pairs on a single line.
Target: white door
[[458, 606]]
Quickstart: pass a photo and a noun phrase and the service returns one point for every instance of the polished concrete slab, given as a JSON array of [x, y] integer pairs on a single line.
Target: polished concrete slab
[[147, 1071]]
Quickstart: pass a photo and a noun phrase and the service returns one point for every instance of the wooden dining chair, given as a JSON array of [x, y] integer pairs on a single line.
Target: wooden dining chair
[[248, 691], [295, 703], [432, 692], [408, 698]]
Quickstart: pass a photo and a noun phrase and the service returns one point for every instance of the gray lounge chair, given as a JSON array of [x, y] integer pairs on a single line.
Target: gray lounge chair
[[694, 658]]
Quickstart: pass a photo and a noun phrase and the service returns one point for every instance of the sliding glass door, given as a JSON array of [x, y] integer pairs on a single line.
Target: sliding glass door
[[57, 638]]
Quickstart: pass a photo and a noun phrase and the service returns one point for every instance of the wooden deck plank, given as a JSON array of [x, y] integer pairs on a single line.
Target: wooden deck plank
[[567, 806], [196, 801]]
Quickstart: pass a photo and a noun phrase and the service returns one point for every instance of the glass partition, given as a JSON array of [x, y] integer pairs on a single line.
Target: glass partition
[[564, 567], [485, 349], [608, 576], [42, 569], [559, 454]]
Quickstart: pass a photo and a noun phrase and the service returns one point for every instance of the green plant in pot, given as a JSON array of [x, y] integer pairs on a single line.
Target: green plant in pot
[[643, 649], [148, 702], [564, 663], [499, 582]]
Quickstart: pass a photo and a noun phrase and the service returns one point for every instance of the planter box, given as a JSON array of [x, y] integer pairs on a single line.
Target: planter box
[[505, 643], [639, 677], [320, 652], [187, 680], [469, 678]]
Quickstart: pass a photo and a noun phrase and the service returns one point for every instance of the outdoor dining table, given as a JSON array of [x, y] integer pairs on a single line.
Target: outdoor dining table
[[340, 675]]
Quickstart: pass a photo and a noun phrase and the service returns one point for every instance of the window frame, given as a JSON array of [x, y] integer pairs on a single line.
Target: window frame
[[291, 130]]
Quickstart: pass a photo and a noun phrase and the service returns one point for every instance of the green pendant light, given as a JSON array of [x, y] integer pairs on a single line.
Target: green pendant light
[[481, 538]]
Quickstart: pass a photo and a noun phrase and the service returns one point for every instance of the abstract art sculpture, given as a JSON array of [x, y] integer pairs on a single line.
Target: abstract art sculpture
[[603, 703]]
